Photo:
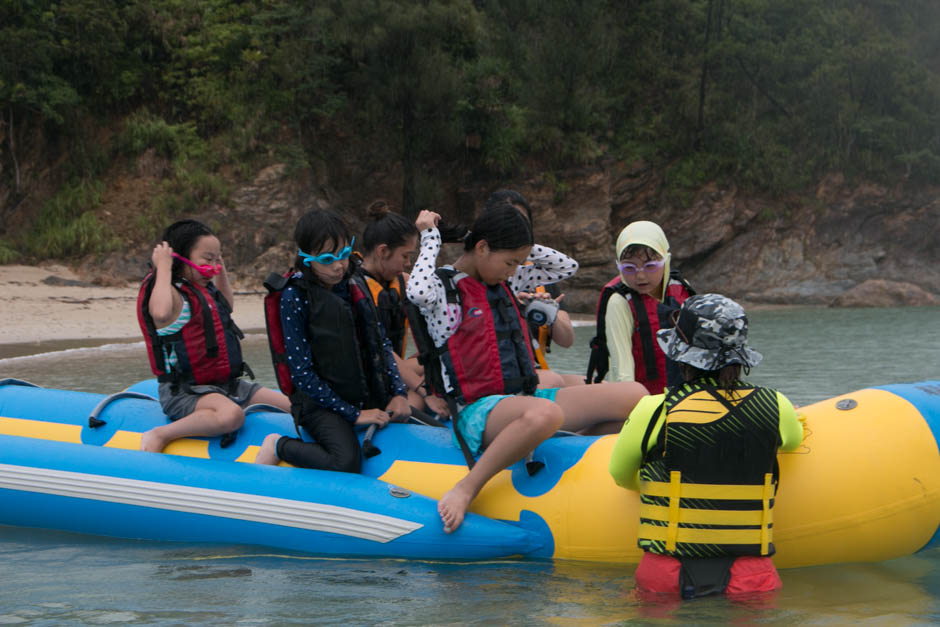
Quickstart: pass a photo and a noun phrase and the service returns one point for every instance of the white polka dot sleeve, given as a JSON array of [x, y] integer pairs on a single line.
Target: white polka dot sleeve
[[426, 290], [545, 266]]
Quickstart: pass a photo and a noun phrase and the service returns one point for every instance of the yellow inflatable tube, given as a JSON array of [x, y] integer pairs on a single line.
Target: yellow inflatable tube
[[864, 486]]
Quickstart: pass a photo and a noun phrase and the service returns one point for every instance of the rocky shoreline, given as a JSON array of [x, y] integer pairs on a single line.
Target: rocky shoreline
[[841, 244]]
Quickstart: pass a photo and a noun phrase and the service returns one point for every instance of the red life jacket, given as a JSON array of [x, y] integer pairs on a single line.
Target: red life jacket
[[207, 348], [275, 284], [651, 368], [491, 350]]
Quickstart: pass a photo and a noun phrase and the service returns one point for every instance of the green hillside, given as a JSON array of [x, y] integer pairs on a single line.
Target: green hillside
[[769, 95]]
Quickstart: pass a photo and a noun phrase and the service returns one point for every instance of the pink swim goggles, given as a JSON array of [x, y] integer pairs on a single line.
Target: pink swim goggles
[[206, 271]]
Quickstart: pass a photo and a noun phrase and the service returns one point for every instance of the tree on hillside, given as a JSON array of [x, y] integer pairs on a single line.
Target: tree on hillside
[[405, 74], [31, 91], [560, 55]]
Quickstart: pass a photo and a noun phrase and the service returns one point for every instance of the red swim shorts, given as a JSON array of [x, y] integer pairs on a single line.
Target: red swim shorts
[[660, 574]]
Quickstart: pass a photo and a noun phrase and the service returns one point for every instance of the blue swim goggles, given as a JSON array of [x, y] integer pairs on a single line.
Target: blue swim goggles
[[327, 258]]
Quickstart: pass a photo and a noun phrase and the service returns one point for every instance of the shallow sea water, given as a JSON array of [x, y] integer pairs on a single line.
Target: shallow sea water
[[52, 578]]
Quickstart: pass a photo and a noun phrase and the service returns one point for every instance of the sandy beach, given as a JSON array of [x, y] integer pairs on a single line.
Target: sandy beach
[[48, 303]]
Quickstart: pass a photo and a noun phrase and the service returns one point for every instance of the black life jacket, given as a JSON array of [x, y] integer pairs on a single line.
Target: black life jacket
[[207, 348], [707, 486], [348, 350], [652, 368]]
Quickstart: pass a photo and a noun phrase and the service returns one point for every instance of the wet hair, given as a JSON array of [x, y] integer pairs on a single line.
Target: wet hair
[[386, 226], [512, 197], [502, 226], [634, 250], [182, 236], [313, 230]]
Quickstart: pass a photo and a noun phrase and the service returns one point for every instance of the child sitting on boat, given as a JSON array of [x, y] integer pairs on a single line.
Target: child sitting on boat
[[389, 246], [537, 280], [633, 306], [185, 313], [341, 362], [486, 356]]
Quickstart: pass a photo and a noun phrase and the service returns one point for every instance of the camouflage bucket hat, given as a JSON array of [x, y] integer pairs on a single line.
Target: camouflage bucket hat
[[710, 333]]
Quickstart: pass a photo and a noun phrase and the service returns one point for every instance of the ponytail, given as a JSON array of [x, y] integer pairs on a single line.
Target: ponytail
[[386, 226], [502, 226]]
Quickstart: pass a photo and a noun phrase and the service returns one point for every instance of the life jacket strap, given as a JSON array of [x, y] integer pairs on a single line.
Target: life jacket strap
[[712, 491], [766, 513], [686, 535], [208, 326], [686, 516], [675, 491], [671, 523], [644, 329]]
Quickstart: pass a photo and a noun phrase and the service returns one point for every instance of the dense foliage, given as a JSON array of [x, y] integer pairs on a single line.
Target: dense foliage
[[770, 95]]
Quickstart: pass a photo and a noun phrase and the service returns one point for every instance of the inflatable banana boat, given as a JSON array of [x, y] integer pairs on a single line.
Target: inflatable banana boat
[[864, 486]]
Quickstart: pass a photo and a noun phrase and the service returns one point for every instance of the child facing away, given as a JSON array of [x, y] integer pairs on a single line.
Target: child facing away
[[703, 457], [185, 312], [340, 359], [537, 280], [633, 307], [474, 319], [389, 246]]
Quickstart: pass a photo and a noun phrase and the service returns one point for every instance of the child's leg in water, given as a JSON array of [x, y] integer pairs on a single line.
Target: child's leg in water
[[599, 409], [514, 427], [215, 414]]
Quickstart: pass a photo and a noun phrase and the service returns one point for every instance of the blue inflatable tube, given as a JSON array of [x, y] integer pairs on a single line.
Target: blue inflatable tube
[[863, 486]]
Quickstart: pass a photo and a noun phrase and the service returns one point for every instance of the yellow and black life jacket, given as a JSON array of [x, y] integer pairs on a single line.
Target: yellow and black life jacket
[[707, 486], [389, 301]]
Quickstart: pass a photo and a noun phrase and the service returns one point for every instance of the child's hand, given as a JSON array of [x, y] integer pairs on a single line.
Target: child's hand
[[437, 405], [373, 417], [162, 257], [526, 297], [399, 408], [222, 269], [427, 220]]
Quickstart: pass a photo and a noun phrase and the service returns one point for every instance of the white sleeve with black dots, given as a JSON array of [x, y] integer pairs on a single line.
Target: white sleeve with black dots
[[544, 266], [426, 290]]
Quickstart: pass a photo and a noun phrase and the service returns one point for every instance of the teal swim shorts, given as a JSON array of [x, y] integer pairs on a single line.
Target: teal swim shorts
[[473, 417]]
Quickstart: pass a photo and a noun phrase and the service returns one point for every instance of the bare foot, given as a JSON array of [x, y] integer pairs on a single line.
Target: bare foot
[[453, 507], [267, 454], [152, 442]]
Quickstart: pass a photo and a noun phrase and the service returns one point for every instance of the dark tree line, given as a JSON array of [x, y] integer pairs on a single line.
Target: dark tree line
[[768, 94]]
